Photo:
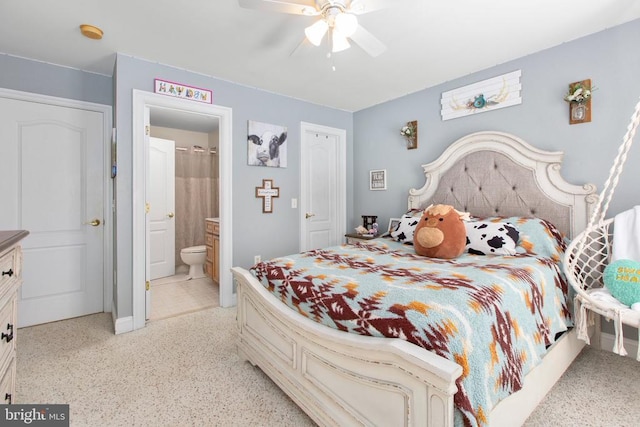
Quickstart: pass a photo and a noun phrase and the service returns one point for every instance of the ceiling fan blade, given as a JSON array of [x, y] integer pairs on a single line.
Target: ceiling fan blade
[[368, 42], [302, 7], [304, 43], [359, 7]]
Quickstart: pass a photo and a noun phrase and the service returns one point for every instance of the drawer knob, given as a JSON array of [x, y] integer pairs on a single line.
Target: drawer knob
[[8, 273], [7, 337], [7, 397]]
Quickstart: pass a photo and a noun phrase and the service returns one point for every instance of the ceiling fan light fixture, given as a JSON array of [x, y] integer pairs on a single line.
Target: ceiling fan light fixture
[[339, 42], [346, 23], [316, 32]]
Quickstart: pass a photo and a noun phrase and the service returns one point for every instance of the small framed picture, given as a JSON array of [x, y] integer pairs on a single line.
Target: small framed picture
[[393, 224], [378, 179]]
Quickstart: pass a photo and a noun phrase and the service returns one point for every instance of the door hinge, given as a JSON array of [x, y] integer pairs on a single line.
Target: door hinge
[[147, 207], [147, 130], [147, 285]]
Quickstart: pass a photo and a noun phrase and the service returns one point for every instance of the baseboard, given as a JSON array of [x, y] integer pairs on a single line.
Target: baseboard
[[122, 325], [607, 341]]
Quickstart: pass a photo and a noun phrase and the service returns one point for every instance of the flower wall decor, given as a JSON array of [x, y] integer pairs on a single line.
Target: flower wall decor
[[578, 92], [410, 132], [579, 98]]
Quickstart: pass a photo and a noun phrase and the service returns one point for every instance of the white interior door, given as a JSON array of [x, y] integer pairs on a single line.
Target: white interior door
[[162, 229], [51, 181], [323, 184]]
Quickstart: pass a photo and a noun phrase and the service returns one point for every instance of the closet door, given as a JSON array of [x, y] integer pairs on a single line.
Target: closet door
[[323, 184], [52, 184]]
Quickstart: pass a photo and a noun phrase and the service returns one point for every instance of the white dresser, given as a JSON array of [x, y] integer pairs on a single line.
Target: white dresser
[[10, 281]]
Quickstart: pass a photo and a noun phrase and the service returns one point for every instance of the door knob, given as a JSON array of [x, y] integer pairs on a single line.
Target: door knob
[[95, 222], [309, 215], [170, 214]]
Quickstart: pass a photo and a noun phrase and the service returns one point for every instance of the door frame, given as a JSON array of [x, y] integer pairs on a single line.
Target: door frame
[[107, 205], [341, 206], [141, 101]]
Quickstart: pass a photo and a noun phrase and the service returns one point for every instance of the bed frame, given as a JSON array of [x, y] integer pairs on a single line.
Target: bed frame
[[343, 379]]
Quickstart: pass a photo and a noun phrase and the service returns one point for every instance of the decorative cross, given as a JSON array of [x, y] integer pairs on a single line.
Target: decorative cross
[[267, 191]]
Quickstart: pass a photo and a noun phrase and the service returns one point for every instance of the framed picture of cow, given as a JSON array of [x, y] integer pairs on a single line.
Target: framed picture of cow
[[267, 145]]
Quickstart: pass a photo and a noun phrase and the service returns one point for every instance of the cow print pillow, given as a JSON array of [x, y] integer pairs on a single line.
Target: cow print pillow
[[491, 238], [404, 231]]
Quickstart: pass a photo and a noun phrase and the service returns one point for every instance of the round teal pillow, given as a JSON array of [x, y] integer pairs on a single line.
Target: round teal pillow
[[622, 279]]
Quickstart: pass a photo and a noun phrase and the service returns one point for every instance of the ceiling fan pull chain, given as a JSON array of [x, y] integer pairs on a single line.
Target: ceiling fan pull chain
[[329, 52]]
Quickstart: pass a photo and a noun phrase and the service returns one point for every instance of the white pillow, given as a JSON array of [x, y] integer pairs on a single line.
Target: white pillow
[[491, 238], [404, 231]]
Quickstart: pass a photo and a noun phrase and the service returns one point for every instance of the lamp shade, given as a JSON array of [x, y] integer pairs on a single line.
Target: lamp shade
[[340, 42], [316, 32], [346, 23]]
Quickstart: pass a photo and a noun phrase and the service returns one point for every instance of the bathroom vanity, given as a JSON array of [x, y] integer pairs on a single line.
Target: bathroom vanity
[[10, 281], [212, 242]]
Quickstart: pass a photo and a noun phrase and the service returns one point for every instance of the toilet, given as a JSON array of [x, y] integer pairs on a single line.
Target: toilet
[[194, 257]]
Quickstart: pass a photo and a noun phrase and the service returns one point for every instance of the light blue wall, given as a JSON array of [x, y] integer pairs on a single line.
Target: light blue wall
[[254, 233], [611, 59], [47, 79]]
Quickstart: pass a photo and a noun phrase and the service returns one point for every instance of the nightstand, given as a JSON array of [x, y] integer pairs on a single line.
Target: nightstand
[[358, 238]]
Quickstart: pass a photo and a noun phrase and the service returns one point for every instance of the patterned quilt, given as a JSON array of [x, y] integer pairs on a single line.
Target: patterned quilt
[[493, 315]]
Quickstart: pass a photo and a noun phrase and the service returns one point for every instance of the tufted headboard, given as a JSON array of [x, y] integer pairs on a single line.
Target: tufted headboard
[[498, 174]]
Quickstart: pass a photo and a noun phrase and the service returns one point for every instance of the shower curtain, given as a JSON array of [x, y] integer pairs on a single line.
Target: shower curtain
[[196, 196]]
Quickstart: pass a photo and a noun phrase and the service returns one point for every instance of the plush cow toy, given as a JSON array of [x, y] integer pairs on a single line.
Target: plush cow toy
[[440, 233]]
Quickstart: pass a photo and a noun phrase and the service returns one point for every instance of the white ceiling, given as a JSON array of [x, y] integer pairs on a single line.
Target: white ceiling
[[429, 41]]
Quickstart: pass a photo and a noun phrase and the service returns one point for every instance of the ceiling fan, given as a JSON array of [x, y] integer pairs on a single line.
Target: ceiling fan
[[338, 20]]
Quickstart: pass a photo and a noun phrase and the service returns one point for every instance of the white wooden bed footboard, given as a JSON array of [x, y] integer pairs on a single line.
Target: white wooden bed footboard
[[343, 379], [338, 378]]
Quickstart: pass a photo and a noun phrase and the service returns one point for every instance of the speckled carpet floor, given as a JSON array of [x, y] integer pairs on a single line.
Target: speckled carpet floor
[[184, 371], [180, 371]]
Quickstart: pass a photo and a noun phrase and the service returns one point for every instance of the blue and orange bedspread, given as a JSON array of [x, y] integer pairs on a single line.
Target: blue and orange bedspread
[[493, 315]]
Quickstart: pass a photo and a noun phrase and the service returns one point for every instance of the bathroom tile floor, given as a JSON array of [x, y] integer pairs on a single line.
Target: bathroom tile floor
[[175, 295]]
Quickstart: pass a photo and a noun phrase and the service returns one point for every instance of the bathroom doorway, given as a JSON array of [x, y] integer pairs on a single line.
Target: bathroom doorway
[[146, 105], [183, 196]]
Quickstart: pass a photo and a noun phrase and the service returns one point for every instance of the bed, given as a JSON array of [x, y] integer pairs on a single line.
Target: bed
[[342, 378]]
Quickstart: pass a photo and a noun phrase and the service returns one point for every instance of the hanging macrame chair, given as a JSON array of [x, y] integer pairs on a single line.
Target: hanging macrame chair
[[590, 252]]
